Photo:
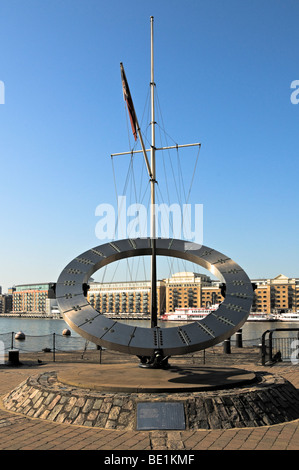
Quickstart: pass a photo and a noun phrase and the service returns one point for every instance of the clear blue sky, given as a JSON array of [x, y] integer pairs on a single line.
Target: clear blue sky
[[223, 71]]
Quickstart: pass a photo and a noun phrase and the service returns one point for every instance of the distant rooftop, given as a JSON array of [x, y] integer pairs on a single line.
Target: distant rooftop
[[40, 286]]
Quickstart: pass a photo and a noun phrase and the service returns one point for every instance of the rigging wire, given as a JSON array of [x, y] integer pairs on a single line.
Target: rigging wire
[[181, 180], [162, 129], [180, 174], [130, 187], [143, 190]]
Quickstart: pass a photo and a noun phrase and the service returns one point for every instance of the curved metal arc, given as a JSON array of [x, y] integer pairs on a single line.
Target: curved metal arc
[[81, 316]]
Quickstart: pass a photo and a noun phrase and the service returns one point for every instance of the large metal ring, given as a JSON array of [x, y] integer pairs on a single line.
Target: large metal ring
[[140, 341]]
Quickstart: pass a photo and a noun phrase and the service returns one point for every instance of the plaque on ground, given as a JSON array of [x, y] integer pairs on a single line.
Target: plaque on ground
[[162, 415]]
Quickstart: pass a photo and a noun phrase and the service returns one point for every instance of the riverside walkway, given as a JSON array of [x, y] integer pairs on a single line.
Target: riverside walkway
[[19, 432]]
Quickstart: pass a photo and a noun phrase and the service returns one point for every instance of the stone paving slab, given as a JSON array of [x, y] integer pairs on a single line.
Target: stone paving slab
[[19, 432], [132, 379], [270, 399]]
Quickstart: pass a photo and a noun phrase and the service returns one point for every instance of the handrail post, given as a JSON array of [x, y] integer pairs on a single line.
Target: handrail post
[[271, 342], [226, 346], [53, 347], [270, 345], [263, 348], [239, 342]]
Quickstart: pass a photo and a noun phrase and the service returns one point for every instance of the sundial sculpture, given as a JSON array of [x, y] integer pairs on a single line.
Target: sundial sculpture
[[152, 345]]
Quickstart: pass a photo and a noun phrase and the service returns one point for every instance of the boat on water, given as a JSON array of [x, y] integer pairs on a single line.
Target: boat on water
[[261, 316], [195, 314], [288, 317], [189, 314]]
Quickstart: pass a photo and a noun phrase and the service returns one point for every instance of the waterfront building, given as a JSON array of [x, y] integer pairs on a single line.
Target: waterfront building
[[5, 303], [184, 289], [52, 309], [280, 294], [31, 298], [191, 290], [125, 297], [211, 295], [277, 295], [194, 290], [181, 290]]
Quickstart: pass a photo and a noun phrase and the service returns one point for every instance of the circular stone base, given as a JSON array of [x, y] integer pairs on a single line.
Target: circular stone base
[[130, 378], [243, 399]]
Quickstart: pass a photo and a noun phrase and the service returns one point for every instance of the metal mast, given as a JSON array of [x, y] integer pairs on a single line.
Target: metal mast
[[151, 168], [153, 182]]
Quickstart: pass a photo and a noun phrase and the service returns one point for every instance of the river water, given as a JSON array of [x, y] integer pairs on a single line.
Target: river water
[[39, 333]]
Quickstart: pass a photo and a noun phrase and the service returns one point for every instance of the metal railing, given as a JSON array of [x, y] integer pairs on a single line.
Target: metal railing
[[51, 343], [54, 344], [279, 348]]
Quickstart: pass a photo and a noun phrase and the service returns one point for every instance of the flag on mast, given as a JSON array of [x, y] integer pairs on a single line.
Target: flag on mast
[[129, 101]]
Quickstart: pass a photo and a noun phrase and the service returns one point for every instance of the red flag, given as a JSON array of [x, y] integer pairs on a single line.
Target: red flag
[[129, 101]]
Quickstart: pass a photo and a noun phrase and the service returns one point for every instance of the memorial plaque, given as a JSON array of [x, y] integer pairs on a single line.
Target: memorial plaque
[[160, 415]]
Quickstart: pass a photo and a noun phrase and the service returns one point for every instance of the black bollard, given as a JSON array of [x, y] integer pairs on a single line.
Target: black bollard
[[99, 348], [13, 357], [239, 342], [226, 346]]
